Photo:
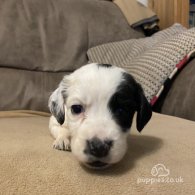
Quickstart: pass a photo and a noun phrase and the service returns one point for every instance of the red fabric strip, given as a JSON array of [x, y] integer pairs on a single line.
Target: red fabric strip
[[182, 62]]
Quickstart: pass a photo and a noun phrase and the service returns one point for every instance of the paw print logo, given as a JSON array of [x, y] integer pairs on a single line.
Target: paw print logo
[[160, 170]]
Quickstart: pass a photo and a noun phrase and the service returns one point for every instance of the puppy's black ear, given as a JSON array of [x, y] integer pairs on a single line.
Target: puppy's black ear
[[144, 110], [56, 105], [57, 100]]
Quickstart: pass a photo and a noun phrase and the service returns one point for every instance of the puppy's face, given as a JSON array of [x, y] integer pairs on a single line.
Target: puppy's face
[[97, 104]]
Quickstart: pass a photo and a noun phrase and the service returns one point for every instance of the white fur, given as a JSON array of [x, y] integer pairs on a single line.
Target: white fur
[[92, 87]]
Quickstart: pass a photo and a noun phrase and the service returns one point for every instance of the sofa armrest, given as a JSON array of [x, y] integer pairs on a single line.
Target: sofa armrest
[[179, 98]]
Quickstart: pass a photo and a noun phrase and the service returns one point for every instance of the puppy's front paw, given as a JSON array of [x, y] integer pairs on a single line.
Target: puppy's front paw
[[62, 144]]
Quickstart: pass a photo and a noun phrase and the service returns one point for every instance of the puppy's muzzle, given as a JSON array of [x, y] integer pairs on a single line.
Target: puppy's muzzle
[[98, 148]]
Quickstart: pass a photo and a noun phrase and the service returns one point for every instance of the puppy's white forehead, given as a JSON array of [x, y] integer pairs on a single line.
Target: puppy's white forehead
[[99, 82]]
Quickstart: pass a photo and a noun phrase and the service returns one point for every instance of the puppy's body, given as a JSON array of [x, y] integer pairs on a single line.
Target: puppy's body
[[92, 113]]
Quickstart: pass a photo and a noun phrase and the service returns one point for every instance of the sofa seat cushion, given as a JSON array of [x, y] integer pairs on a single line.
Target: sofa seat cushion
[[24, 89], [29, 165]]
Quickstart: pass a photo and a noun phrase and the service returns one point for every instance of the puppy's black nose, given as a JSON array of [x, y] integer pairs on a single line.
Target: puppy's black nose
[[98, 148]]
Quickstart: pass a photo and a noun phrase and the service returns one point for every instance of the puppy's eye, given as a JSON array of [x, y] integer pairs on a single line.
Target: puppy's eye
[[77, 109]]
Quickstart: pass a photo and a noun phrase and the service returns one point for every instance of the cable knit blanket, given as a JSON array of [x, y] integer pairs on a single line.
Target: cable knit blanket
[[152, 61]]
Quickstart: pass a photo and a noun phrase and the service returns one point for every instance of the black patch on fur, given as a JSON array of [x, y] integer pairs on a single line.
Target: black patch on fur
[[123, 104], [128, 99], [58, 115], [105, 65]]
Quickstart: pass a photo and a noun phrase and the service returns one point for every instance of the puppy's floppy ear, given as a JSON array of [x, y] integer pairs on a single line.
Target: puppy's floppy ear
[[57, 100], [56, 105], [144, 110]]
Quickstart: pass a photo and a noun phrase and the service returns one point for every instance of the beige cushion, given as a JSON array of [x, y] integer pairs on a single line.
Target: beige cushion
[[135, 13], [29, 165]]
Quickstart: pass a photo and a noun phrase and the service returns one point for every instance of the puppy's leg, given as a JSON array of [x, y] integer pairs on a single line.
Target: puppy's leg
[[61, 134]]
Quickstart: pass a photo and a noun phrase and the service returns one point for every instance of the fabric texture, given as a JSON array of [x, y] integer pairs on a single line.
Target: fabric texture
[[55, 35], [179, 100], [22, 113], [136, 13], [151, 61], [24, 89], [40, 41], [29, 164]]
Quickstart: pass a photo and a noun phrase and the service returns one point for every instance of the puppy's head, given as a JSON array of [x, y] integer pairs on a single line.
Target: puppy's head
[[97, 103]]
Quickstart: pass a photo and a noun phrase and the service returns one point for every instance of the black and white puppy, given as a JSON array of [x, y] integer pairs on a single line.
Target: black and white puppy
[[92, 112]]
